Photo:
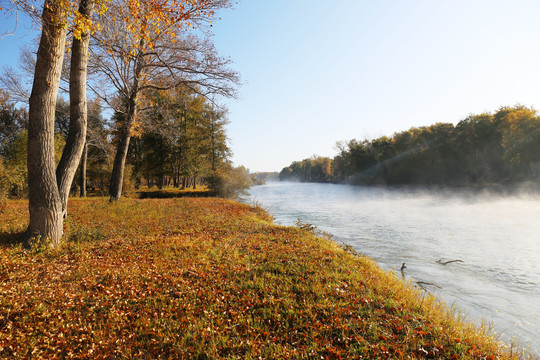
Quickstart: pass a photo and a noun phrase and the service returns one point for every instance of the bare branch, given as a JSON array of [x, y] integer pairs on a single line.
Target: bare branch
[[2, 36], [12, 82]]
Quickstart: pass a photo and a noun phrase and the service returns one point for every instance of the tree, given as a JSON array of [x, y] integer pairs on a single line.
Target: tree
[[45, 204], [230, 182], [314, 169], [14, 144], [16, 174], [61, 117], [48, 189], [71, 119], [183, 138], [486, 148], [218, 148], [12, 121], [47, 197], [96, 145], [147, 52], [77, 104], [16, 168], [520, 138]]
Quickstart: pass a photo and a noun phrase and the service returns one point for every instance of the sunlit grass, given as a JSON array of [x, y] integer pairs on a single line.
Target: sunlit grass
[[210, 278]]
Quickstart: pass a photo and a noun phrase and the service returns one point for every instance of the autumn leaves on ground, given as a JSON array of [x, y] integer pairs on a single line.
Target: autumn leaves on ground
[[209, 279]]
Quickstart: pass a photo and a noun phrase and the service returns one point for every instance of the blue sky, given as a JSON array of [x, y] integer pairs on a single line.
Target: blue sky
[[319, 71]]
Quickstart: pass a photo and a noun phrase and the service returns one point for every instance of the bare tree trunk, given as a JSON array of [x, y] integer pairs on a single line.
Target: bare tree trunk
[[45, 205], [82, 179], [117, 176], [76, 139]]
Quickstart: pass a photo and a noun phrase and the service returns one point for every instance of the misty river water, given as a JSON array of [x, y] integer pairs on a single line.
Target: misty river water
[[496, 237]]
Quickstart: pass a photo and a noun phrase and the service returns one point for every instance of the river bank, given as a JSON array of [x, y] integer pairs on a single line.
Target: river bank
[[210, 278], [494, 235]]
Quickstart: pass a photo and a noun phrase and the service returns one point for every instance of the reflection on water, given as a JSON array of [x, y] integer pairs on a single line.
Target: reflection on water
[[497, 238]]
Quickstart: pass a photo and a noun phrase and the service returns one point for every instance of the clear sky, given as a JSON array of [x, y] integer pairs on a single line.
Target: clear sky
[[319, 71]]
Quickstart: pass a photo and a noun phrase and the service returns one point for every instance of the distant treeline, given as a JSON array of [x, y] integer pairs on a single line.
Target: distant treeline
[[499, 148], [261, 178]]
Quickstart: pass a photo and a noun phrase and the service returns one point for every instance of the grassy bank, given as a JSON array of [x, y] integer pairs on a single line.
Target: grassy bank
[[205, 278]]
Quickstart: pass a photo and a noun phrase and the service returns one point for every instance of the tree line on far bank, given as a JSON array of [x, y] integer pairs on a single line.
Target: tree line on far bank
[[488, 148]]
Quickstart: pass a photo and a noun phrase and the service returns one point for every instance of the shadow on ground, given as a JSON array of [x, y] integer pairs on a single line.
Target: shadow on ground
[[11, 239], [168, 194]]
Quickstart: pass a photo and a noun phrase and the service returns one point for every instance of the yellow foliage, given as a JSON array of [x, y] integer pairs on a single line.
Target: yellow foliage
[[136, 129]]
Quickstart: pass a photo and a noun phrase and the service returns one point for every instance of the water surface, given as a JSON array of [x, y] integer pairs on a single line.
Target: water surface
[[496, 237]]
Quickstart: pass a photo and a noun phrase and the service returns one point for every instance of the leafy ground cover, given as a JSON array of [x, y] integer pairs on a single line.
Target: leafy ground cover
[[199, 278]]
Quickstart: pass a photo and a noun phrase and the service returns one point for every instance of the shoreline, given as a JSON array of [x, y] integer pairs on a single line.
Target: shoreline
[[269, 290], [423, 229]]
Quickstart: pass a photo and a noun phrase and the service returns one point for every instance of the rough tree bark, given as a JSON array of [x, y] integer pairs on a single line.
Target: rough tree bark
[[82, 174], [76, 139], [45, 205]]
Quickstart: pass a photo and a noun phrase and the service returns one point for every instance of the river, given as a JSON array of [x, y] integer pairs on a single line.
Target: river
[[496, 238]]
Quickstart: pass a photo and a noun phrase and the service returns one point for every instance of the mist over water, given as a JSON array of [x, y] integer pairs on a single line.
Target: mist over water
[[497, 238]]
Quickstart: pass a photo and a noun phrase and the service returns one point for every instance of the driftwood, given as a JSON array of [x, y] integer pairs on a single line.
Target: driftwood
[[448, 262], [420, 283]]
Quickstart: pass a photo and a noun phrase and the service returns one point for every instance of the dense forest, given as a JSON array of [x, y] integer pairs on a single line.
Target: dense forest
[[153, 65], [181, 142], [498, 148]]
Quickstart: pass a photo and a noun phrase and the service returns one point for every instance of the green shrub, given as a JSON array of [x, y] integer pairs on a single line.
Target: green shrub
[[230, 182]]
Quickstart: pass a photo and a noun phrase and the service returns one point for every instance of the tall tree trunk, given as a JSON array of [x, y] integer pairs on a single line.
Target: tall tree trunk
[[82, 174], [117, 176], [45, 205], [76, 139]]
